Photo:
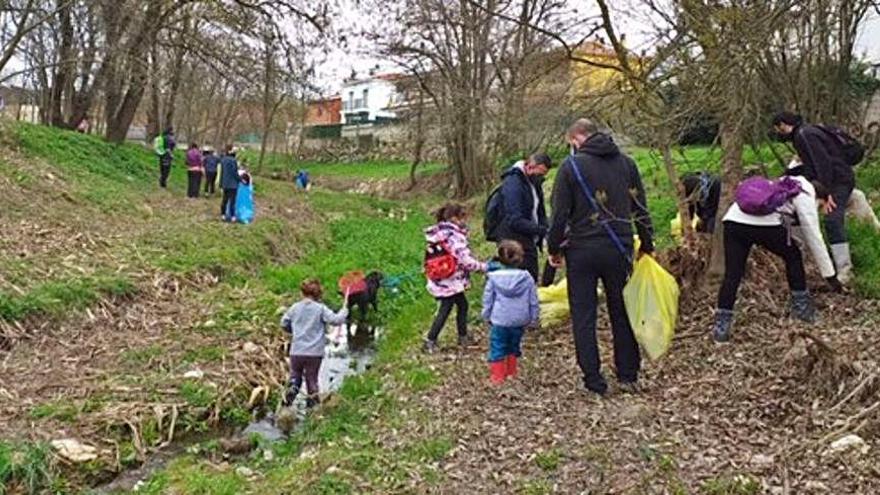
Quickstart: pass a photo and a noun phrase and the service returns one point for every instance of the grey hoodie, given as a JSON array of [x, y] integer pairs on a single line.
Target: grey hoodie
[[510, 298], [307, 321]]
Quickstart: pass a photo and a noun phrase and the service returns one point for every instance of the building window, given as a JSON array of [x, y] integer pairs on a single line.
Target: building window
[[351, 99], [366, 93]]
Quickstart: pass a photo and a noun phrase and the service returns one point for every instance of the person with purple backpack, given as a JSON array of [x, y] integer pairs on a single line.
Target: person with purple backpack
[[762, 214]]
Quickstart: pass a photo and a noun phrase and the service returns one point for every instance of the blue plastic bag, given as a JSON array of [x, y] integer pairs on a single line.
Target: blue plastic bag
[[244, 203]]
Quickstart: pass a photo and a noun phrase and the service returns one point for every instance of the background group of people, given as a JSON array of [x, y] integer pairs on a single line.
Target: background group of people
[[236, 204]]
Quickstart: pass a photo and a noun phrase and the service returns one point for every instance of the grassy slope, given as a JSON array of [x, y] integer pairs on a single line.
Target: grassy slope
[[339, 450], [347, 449], [279, 163]]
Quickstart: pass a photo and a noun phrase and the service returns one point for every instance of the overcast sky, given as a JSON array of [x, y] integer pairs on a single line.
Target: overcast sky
[[340, 63]]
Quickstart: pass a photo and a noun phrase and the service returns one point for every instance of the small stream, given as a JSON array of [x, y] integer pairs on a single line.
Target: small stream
[[344, 356]]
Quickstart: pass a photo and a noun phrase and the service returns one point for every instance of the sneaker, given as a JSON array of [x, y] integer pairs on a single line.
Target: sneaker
[[466, 340], [429, 347], [723, 324], [595, 393], [289, 397], [600, 387]]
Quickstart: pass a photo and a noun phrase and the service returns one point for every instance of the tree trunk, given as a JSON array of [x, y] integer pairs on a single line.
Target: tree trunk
[[681, 199], [732, 142], [419, 141], [64, 70]]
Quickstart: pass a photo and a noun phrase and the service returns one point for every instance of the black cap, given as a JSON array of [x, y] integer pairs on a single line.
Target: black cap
[[542, 159], [788, 118]]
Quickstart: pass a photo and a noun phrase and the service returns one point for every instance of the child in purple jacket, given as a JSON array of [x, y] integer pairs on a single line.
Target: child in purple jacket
[[451, 232], [510, 303]]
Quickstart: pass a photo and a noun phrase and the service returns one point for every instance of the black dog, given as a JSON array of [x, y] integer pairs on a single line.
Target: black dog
[[364, 299]]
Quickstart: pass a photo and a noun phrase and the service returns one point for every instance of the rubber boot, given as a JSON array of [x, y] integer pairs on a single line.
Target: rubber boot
[[723, 323], [292, 392], [511, 366], [497, 372], [802, 306], [312, 401], [842, 262]]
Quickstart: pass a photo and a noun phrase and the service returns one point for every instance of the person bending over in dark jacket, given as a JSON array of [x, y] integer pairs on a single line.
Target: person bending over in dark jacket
[[525, 217], [703, 192], [824, 163], [593, 252], [229, 180]]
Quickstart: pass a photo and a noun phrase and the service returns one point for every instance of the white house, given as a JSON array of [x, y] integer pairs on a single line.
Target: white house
[[367, 100]]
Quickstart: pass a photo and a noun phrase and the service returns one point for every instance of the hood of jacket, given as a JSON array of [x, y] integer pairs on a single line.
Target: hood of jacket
[[519, 170], [442, 231], [511, 283], [600, 145]]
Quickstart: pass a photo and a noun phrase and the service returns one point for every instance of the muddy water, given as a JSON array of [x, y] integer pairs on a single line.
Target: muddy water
[[346, 355]]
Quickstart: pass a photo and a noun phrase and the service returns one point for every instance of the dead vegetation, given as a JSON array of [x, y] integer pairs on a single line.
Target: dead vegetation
[[760, 415], [157, 357]]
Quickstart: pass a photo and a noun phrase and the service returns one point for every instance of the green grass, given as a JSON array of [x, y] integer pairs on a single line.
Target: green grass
[[548, 460], [735, 485], [385, 169], [198, 394], [52, 298], [55, 410], [27, 468]]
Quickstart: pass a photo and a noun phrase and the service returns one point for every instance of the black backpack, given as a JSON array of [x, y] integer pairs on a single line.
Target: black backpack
[[494, 215], [853, 151]]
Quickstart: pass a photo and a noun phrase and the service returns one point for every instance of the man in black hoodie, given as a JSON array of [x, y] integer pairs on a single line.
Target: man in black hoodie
[[824, 165], [525, 217], [593, 253]]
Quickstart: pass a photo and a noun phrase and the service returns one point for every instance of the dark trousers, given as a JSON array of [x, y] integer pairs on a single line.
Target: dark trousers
[[305, 367], [835, 222], [164, 169], [195, 179], [549, 275], [600, 260], [227, 204], [210, 182], [446, 304], [738, 241], [530, 259]]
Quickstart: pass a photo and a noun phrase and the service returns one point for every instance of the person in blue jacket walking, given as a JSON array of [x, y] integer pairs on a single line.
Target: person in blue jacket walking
[[229, 180], [510, 303]]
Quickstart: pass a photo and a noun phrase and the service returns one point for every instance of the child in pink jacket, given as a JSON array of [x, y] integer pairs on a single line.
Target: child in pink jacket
[[450, 234]]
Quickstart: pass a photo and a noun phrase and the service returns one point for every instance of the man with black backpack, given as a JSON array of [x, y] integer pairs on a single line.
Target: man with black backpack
[[515, 210], [829, 155], [598, 195]]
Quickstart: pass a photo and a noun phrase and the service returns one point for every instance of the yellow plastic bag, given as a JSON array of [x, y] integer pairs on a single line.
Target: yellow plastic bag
[[651, 299], [677, 230], [554, 303]]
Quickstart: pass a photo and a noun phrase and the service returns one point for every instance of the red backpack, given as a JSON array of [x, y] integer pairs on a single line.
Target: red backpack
[[440, 263]]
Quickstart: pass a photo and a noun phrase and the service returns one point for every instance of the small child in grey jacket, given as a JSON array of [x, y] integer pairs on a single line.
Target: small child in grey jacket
[[510, 303], [307, 321]]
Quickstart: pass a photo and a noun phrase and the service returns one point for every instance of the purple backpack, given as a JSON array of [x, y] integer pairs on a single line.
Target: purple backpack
[[761, 196]]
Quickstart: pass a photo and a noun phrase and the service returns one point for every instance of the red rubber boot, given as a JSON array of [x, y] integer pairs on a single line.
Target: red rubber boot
[[511, 366], [497, 372]]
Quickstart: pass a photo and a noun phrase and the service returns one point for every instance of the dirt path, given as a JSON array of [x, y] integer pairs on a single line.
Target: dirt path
[[748, 417]]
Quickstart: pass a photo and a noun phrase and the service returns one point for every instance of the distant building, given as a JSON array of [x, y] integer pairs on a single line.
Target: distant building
[[368, 100]]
